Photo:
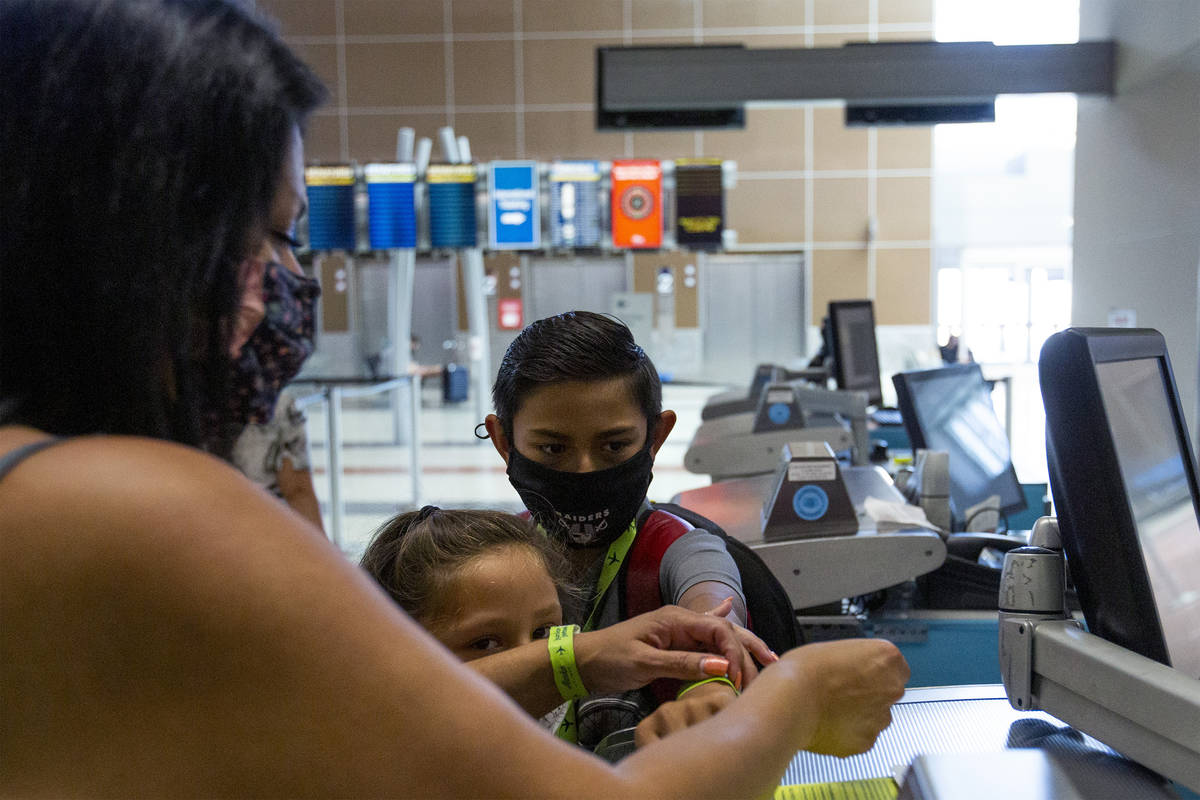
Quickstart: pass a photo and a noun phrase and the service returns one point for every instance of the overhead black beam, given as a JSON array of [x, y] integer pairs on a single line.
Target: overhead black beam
[[648, 78]]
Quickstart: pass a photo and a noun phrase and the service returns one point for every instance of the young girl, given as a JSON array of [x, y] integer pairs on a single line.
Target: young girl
[[480, 581], [486, 581]]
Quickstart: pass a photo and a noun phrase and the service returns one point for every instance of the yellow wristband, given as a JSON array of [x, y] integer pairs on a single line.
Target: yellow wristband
[[719, 679], [562, 662]]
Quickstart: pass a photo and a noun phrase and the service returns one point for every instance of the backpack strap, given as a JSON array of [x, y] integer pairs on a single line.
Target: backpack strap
[[656, 532]]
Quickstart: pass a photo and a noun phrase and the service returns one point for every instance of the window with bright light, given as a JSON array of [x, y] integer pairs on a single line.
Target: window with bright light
[[1003, 195]]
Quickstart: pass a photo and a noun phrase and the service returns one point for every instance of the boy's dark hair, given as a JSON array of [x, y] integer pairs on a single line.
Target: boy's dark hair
[[575, 346], [141, 144], [414, 555]]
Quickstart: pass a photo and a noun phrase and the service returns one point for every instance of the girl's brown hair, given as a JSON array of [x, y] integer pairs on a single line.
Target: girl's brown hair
[[414, 555]]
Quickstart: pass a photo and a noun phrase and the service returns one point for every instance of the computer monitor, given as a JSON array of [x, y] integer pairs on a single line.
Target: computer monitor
[[853, 347], [950, 409], [1123, 477]]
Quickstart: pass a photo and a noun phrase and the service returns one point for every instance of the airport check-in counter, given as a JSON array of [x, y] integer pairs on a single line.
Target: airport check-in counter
[[741, 401], [751, 443], [815, 570]]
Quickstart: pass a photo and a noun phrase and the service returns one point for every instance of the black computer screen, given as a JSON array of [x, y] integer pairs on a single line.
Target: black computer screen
[[854, 349], [1125, 489], [950, 409], [1153, 467]]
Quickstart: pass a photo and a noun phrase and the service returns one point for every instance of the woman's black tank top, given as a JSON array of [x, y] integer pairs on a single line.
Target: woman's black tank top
[[10, 460]]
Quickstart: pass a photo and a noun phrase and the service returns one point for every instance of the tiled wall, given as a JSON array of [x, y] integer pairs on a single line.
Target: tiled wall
[[517, 78]]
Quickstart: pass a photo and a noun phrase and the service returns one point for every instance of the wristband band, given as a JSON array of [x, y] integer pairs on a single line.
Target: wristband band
[[561, 644], [720, 679]]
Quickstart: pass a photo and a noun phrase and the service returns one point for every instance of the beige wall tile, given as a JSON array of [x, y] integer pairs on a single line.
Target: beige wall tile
[[572, 15], [322, 139], [663, 14], [482, 16], [759, 41], [492, 136], [837, 275], [483, 74], [752, 13], [303, 17], [841, 12], [569, 134], [561, 70], [373, 136], [773, 139], [902, 287], [906, 36], [664, 144], [767, 210], [383, 17], [395, 74], [834, 145], [905, 207], [840, 209], [904, 147], [651, 39], [322, 58], [905, 11]]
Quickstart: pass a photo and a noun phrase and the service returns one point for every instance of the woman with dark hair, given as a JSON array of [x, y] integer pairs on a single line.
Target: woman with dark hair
[[166, 629]]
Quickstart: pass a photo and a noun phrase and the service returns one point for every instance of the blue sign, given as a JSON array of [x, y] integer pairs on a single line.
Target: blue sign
[[810, 502], [575, 204], [514, 217], [779, 413]]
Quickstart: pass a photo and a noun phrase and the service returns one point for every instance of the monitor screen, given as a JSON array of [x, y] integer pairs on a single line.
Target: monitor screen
[[950, 409], [1153, 468], [1124, 481], [854, 349]]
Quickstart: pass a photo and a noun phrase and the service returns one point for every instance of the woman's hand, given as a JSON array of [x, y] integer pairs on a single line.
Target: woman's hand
[[854, 683], [670, 642]]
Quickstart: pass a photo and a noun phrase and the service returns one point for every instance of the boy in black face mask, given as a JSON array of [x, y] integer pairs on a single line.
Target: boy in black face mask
[[578, 421]]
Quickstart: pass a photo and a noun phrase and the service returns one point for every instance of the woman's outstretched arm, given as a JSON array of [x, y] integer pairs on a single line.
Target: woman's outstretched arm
[[167, 629]]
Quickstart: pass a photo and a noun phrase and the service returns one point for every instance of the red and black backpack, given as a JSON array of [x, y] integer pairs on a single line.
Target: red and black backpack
[[769, 611]]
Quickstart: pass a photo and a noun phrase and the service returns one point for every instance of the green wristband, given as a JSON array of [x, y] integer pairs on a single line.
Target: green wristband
[[562, 662], [719, 679]]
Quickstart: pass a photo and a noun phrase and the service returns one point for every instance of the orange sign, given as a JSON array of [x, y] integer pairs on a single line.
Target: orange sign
[[637, 203]]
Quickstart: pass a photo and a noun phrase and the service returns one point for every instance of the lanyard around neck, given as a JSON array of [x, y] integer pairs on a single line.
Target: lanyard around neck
[[613, 560], [608, 571]]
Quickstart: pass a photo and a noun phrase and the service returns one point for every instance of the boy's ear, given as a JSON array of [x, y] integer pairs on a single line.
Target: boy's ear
[[662, 429], [496, 434]]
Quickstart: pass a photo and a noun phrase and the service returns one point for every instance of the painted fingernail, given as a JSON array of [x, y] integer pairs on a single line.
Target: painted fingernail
[[737, 682], [714, 666], [775, 655]]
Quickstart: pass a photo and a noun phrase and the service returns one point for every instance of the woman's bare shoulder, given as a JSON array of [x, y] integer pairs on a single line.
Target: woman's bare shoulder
[[141, 505]]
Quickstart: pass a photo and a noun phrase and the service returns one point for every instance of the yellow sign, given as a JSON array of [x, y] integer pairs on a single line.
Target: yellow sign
[[864, 789], [329, 176]]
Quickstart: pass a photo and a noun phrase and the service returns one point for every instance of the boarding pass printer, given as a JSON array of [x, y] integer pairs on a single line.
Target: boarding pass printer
[[751, 443], [806, 524]]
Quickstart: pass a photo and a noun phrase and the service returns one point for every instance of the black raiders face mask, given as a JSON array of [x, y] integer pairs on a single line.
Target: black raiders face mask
[[582, 509]]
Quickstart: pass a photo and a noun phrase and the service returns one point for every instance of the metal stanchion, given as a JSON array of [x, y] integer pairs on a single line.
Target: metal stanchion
[[333, 446], [414, 444]]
